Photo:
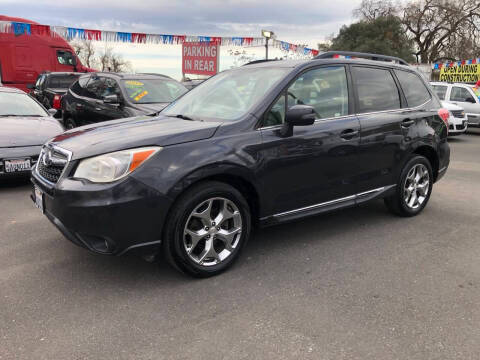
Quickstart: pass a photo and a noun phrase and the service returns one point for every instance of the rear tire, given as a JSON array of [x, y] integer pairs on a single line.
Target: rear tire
[[207, 228], [413, 189]]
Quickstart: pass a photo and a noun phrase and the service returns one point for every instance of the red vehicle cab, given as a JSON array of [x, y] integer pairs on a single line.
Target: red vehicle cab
[[24, 57]]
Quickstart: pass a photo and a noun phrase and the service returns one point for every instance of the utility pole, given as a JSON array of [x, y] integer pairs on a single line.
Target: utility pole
[[267, 34]]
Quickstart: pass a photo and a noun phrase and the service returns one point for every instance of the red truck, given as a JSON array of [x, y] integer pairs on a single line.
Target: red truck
[[24, 57]]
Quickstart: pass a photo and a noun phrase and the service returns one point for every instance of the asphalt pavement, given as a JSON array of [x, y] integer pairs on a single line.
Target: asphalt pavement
[[356, 284]]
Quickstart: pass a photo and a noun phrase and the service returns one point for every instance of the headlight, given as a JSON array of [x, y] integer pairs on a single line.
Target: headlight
[[110, 167]]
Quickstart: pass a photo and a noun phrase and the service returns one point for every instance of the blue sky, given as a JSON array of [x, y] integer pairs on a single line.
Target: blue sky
[[300, 22]]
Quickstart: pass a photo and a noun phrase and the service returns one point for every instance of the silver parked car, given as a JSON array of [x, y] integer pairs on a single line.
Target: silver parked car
[[461, 95]]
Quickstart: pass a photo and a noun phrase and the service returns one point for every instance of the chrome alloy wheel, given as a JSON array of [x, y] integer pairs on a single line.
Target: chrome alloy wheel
[[417, 185], [212, 231]]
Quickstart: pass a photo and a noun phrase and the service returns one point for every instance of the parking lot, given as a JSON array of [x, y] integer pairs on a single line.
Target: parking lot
[[357, 284]]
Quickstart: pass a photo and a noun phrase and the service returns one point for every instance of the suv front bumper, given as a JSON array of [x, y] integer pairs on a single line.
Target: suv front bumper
[[105, 218]]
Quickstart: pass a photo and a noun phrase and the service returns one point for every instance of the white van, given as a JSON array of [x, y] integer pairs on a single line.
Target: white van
[[461, 95]]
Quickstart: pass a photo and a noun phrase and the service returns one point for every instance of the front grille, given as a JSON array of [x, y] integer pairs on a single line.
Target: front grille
[[51, 163], [51, 173], [458, 114]]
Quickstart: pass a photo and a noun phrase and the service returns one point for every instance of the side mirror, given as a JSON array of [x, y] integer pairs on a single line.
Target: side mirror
[[111, 99], [52, 111], [74, 60], [31, 86], [470, 100], [300, 115], [297, 115]]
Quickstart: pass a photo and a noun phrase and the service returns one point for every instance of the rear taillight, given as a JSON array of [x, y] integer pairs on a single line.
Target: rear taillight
[[444, 115], [57, 102]]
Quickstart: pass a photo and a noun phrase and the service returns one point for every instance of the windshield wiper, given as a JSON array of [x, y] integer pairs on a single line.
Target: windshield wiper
[[181, 116]]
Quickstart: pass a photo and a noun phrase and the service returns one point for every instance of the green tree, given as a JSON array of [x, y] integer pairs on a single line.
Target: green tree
[[382, 35]]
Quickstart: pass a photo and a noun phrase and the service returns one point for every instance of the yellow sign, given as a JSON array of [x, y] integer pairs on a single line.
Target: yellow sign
[[134, 83], [462, 73]]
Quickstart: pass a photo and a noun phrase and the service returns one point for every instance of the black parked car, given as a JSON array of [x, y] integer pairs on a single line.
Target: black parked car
[[99, 97], [265, 143], [50, 87], [25, 126]]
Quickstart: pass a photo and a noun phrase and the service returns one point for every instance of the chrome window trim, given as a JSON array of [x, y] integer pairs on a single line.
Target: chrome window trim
[[396, 110], [355, 114], [331, 202], [316, 121]]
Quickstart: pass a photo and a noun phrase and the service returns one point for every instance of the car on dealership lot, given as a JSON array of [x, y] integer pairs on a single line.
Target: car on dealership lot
[[50, 87], [191, 83], [100, 97], [262, 144], [462, 95], [457, 120], [25, 125]]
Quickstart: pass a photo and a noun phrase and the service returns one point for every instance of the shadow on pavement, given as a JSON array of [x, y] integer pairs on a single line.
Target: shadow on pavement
[[14, 182], [132, 271]]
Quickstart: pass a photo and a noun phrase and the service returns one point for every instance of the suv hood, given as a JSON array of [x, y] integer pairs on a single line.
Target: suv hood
[[19, 131], [130, 133]]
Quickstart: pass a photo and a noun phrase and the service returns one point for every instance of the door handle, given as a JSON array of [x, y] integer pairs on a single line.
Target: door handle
[[348, 134], [98, 109], [407, 123]]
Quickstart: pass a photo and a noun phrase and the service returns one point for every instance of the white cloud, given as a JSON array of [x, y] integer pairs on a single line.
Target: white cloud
[[299, 22]]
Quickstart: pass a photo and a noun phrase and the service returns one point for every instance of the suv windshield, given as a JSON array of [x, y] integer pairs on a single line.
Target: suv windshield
[[14, 104], [228, 95], [61, 81], [147, 91]]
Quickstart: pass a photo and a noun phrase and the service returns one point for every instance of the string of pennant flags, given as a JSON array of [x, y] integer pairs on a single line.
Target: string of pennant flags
[[438, 66], [70, 33]]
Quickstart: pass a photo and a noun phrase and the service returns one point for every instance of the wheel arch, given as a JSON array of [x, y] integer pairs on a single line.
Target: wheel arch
[[236, 176], [431, 154]]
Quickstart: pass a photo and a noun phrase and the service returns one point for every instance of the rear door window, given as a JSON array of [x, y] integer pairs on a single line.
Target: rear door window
[[440, 90], [95, 88], [413, 88], [78, 87], [376, 89], [461, 94]]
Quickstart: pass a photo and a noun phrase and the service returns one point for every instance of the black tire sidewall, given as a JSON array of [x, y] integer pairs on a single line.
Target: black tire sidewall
[[415, 160], [179, 216]]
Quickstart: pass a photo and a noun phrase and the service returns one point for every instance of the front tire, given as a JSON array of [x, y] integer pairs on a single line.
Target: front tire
[[207, 229], [413, 189]]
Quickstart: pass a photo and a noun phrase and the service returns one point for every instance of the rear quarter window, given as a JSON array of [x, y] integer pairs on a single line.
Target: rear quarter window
[[376, 90], [413, 88]]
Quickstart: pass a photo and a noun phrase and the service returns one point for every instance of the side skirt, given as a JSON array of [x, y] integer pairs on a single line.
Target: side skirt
[[328, 206]]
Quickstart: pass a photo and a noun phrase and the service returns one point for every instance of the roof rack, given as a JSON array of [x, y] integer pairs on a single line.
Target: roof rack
[[259, 61], [377, 57]]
